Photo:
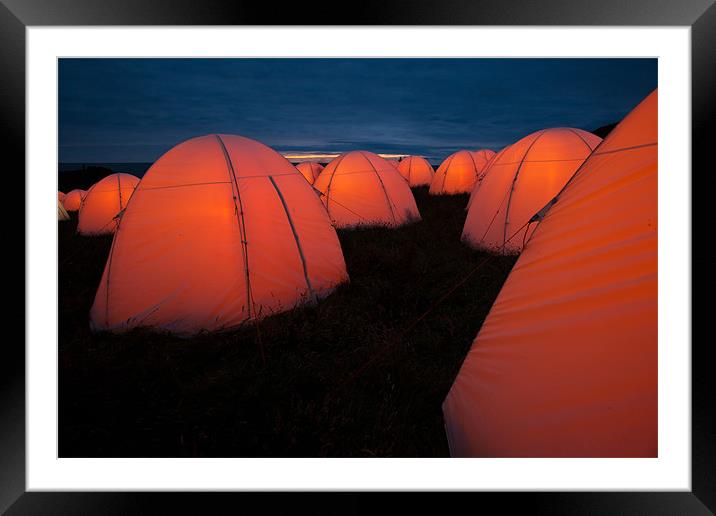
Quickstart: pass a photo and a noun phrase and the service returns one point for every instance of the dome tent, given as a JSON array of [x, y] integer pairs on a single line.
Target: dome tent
[[480, 177], [61, 196], [61, 212], [457, 174], [482, 159], [310, 170], [103, 202], [73, 200], [416, 170], [565, 364], [221, 230], [518, 182], [361, 188]]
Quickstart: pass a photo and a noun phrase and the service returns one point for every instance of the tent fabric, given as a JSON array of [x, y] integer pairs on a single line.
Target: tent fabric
[[482, 159], [565, 364], [520, 180], [103, 202], [416, 170], [310, 170], [61, 196], [73, 200], [361, 188], [61, 212], [220, 231], [480, 177], [457, 174]]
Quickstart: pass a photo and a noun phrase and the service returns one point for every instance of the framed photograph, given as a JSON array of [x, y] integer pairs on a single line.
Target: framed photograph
[[444, 248]]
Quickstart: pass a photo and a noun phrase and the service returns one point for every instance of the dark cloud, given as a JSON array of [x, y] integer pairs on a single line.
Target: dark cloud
[[135, 109]]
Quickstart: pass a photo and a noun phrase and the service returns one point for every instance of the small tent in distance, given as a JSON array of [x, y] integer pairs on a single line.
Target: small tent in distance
[[73, 200], [362, 189], [103, 202], [457, 174], [310, 170], [416, 170], [61, 212]]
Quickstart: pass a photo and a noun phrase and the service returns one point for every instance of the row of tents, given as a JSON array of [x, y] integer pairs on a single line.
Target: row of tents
[[222, 230]]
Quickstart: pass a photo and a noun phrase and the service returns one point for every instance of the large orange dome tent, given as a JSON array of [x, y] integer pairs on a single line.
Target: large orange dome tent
[[73, 200], [103, 202], [458, 173], [310, 170], [518, 182], [416, 170], [361, 188], [221, 230], [565, 364]]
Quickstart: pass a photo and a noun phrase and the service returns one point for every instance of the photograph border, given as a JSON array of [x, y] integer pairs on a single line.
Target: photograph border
[[16, 15]]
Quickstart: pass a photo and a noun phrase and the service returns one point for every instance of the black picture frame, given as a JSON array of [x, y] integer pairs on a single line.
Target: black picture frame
[[16, 15]]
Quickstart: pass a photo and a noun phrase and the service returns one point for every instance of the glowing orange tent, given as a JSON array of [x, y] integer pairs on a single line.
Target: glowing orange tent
[[61, 196], [457, 174], [518, 182], [480, 177], [361, 188], [103, 202], [310, 170], [221, 230], [61, 212], [73, 200], [416, 170], [482, 159], [565, 364]]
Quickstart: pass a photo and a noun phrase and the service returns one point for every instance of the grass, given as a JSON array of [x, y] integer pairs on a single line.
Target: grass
[[350, 377]]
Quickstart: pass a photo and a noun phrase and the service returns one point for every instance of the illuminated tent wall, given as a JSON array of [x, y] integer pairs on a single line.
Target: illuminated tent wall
[[310, 170], [361, 188], [482, 159], [73, 200], [520, 180], [565, 364], [480, 177], [60, 196], [416, 171], [457, 174], [61, 212], [221, 230], [103, 202]]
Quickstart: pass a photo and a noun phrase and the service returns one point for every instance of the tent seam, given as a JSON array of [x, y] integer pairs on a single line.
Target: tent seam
[[385, 192], [296, 239], [512, 188], [240, 219]]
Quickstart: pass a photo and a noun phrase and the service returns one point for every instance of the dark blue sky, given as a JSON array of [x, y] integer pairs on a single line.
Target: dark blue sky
[[124, 110]]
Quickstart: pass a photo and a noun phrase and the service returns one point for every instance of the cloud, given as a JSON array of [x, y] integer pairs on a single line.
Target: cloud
[[135, 109]]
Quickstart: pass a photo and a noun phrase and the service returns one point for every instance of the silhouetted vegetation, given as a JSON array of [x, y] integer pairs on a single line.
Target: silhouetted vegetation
[[352, 376]]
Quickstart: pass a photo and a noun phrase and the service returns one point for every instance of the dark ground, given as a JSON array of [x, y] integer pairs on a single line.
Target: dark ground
[[343, 378]]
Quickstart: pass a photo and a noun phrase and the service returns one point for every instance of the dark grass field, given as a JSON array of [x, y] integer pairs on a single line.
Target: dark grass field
[[354, 376]]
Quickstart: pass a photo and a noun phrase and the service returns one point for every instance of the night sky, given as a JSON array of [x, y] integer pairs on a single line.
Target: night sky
[[133, 110]]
